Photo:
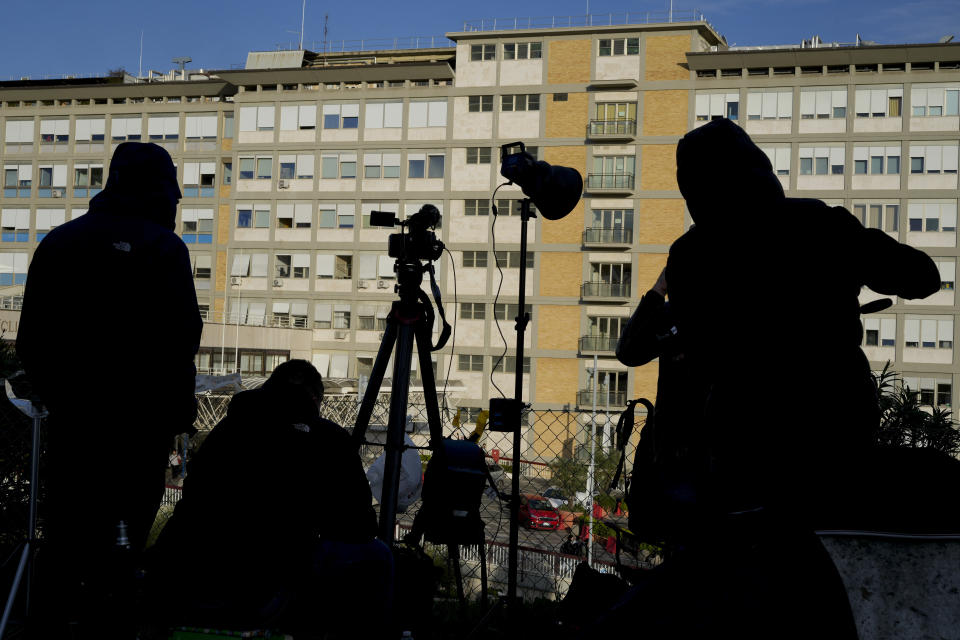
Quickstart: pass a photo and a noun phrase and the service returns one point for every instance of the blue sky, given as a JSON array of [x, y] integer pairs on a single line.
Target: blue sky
[[52, 38]]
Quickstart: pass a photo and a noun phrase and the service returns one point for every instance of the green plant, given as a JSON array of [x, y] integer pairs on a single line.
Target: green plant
[[904, 422]]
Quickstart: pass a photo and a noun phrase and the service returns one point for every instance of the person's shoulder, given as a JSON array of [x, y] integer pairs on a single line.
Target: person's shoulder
[[819, 210], [332, 430]]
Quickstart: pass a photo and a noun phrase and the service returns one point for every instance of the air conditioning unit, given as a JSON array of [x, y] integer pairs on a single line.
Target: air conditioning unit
[[56, 193], [382, 284], [339, 335], [282, 184], [236, 281], [362, 284], [278, 283]]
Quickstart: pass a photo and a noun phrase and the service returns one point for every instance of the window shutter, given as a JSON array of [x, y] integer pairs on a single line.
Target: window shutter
[[784, 104], [321, 361], [308, 116], [338, 366], [303, 213], [878, 101], [888, 329], [418, 114], [374, 115], [703, 104], [83, 130], [393, 115], [836, 155], [322, 311], [248, 119], [385, 267], [325, 264], [191, 173], [298, 308], [305, 166], [783, 158], [241, 265], [300, 260], [769, 109], [949, 158], [288, 118], [208, 126], [59, 175], [809, 102], [861, 153], [193, 127], [258, 266], [437, 113], [367, 266], [281, 307], [285, 210]]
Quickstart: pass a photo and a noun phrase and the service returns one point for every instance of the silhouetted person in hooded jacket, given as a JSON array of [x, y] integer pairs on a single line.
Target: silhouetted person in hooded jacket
[[108, 334], [764, 290]]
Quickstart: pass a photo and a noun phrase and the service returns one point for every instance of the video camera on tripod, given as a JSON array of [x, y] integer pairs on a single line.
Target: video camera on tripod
[[419, 242]]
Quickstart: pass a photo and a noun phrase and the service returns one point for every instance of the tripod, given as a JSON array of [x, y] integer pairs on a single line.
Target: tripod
[[29, 545], [410, 319]]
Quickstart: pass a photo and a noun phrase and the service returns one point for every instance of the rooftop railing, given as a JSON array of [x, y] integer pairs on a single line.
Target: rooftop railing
[[372, 44], [587, 20]]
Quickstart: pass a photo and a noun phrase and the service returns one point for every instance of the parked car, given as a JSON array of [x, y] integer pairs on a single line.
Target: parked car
[[536, 512], [500, 477], [556, 498]]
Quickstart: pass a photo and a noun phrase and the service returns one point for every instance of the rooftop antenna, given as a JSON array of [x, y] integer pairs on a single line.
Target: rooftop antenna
[[140, 65], [326, 22], [182, 61], [945, 39], [303, 16]]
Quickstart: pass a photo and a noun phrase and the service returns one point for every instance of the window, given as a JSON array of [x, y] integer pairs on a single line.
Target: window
[[612, 172], [383, 115], [930, 391], [821, 161], [876, 160], [197, 226], [476, 207], [202, 268], [480, 52], [614, 278], [879, 103], [511, 207], [296, 167], [163, 128], [508, 364], [227, 173], [260, 118], [126, 128], [198, 179], [13, 268], [713, 106], [298, 117], [879, 332], [53, 181], [15, 224], [477, 104], [294, 215], [295, 265], [478, 155], [228, 124], [48, 219], [89, 134], [948, 272], [932, 215], [87, 179], [511, 259], [381, 165], [522, 50], [253, 216], [341, 116], [19, 136], [289, 314], [928, 332], [469, 362], [823, 103], [472, 311], [509, 311], [474, 258], [933, 159], [935, 100], [258, 168], [54, 132], [343, 267], [339, 216], [334, 165], [779, 156], [619, 47], [201, 127], [427, 113], [429, 165], [366, 208], [771, 104], [17, 180], [327, 216], [520, 102], [610, 225], [883, 216]]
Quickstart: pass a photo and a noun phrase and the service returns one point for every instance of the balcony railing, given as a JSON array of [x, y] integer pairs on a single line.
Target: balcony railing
[[606, 290], [605, 397], [612, 129], [598, 343], [607, 236], [610, 181]]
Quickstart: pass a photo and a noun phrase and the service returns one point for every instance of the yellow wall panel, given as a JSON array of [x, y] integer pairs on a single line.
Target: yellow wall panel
[[569, 61], [567, 119], [665, 55], [560, 273], [665, 112], [557, 380], [558, 326], [658, 170], [660, 221]]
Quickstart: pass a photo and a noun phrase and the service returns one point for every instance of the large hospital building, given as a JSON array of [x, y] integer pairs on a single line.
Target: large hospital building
[[282, 161]]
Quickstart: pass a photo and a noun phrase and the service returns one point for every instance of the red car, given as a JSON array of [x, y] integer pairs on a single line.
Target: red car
[[537, 513]]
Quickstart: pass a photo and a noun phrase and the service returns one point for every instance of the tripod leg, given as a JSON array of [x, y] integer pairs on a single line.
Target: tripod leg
[[395, 429], [454, 553], [15, 587], [373, 385], [429, 385]]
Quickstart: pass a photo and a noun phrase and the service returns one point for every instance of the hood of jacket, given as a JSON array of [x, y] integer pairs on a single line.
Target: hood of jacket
[[142, 183], [723, 175]]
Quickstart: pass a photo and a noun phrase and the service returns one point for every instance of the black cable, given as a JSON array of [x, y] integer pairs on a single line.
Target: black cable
[[453, 335], [493, 237]]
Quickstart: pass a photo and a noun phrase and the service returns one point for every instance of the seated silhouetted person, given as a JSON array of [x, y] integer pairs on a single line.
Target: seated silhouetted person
[[764, 290], [108, 333], [276, 525]]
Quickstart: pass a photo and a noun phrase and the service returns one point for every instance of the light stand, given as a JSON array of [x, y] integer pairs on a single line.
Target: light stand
[[25, 567]]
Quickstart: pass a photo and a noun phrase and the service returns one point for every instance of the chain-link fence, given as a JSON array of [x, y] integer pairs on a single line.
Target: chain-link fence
[[556, 531]]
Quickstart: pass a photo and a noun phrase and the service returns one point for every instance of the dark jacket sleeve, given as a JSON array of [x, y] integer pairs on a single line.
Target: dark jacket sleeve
[[640, 343], [355, 500], [889, 267]]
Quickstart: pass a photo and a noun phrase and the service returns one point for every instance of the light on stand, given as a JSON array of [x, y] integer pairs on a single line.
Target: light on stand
[[555, 191]]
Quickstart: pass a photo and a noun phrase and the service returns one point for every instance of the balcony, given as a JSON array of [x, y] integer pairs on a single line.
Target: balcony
[[610, 182], [605, 398], [612, 129], [598, 344], [605, 291], [607, 237]]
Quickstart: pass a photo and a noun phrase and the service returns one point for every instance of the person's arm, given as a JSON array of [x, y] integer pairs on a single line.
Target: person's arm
[[639, 343]]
